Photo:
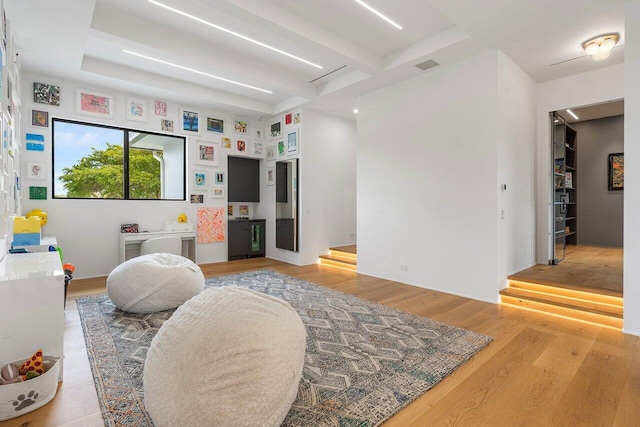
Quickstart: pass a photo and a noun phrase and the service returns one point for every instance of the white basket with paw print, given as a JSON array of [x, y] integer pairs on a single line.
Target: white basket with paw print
[[20, 398]]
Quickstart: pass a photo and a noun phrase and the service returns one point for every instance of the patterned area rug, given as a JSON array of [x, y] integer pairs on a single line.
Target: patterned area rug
[[364, 361]]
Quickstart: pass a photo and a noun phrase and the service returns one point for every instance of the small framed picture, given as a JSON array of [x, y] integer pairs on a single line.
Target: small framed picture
[[219, 178], [161, 108], [35, 171], [296, 118], [257, 148], [271, 175], [276, 130], [616, 171], [258, 134], [196, 198], [200, 180], [281, 148], [166, 125], [137, 110], [46, 94], [128, 228], [190, 121], [271, 152], [226, 142], [207, 154], [90, 103], [40, 118], [217, 192], [292, 142], [215, 125], [240, 126], [288, 119], [241, 145]]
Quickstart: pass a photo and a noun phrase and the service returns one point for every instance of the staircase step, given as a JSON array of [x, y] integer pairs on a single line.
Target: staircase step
[[564, 301], [334, 261], [342, 256], [596, 308]]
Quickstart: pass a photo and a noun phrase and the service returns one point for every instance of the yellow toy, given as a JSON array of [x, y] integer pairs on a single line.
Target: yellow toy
[[26, 231], [40, 214], [182, 218]]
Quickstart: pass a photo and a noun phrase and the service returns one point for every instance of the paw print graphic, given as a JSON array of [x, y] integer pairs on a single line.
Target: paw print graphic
[[24, 401]]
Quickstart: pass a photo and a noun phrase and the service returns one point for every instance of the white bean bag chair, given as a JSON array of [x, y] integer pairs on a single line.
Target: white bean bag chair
[[154, 282], [228, 357]]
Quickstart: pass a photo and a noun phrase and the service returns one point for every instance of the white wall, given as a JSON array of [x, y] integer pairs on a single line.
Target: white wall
[[590, 88], [327, 188], [328, 184], [428, 177], [632, 169], [518, 99], [88, 230]]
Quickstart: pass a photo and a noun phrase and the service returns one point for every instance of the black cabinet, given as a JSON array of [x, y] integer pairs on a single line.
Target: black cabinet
[[244, 179], [246, 239], [285, 234]]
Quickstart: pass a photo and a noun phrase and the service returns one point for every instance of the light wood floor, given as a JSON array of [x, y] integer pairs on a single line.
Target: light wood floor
[[596, 268], [538, 371]]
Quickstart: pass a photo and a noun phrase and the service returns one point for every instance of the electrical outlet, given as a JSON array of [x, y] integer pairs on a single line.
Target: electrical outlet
[[404, 268]]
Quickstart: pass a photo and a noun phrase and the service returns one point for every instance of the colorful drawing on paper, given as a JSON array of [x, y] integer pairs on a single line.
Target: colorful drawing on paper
[[46, 94], [226, 142], [211, 225], [244, 210], [94, 103]]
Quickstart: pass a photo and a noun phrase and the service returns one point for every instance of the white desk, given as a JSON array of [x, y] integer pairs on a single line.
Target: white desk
[[31, 306], [130, 243]]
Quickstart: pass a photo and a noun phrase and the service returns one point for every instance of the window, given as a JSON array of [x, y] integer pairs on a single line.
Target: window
[[105, 162]]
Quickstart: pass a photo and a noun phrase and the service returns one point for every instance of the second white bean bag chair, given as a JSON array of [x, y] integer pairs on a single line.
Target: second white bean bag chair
[[228, 357], [154, 282]]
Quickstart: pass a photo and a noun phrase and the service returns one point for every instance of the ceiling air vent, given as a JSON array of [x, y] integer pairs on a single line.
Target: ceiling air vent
[[427, 64]]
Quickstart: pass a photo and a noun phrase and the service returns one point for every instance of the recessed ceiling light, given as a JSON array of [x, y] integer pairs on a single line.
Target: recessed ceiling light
[[355, 111], [371, 9], [572, 114], [233, 33], [182, 67]]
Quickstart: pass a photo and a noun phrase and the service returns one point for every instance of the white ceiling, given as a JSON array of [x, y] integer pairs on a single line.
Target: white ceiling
[[83, 41]]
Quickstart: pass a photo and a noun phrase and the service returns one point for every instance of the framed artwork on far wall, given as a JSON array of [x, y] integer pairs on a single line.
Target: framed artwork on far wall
[[190, 121], [215, 125], [137, 110], [200, 180], [271, 152], [240, 126], [226, 142], [258, 134], [276, 130], [271, 175], [36, 171], [241, 145], [217, 192], [40, 118], [207, 154], [292, 142], [166, 125], [616, 171], [46, 94], [219, 178], [90, 103]]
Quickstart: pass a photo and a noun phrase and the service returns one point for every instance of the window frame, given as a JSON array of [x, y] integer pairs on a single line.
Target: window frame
[[125, 160]]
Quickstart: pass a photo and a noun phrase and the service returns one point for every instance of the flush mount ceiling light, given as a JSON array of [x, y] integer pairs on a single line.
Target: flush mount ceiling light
[[202, 73], [599, 47], [371, 9], [233, 33]]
